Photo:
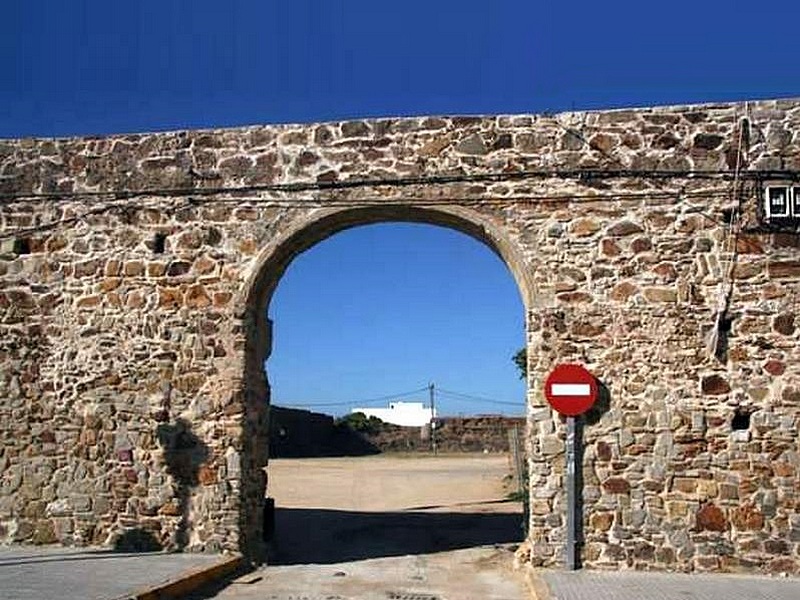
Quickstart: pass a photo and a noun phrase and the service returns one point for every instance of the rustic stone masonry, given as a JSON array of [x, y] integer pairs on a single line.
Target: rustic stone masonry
[[481, 434], [135, 273], [297, 433]]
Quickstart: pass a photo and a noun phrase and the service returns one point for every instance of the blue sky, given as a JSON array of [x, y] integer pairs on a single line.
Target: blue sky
[[385, 309], [93, 67]]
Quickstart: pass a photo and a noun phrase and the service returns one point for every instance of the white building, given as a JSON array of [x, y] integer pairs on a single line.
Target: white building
[[406, 414]]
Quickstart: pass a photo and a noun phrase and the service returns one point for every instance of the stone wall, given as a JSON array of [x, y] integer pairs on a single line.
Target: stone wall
[[136, 270], [483, 433], [297, 433]]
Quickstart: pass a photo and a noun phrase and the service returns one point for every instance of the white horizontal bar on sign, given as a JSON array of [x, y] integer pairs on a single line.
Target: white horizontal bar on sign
[[570, 389]]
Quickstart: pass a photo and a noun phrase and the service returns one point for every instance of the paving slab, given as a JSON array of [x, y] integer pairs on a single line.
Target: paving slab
[[483, 573], [49, 572], [636, 585]]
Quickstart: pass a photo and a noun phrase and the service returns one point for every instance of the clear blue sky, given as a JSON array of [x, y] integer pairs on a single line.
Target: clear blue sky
[[94, 67], [386, 309]]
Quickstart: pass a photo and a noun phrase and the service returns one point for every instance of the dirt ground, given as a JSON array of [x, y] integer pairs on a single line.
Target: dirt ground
[[387, 482], [389, 527]]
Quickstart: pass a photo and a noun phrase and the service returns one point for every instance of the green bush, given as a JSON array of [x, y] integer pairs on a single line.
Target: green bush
[[360, 422]]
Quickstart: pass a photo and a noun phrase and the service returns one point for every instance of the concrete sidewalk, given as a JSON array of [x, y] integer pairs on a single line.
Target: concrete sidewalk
[[40, 573], [636, 585]]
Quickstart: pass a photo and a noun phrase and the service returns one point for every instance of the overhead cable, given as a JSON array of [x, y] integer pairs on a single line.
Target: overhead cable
[[482, 399], [355, 402], [417, 202], [496, 177]]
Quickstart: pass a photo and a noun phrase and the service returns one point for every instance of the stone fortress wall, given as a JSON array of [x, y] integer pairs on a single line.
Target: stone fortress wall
[[135, 273]]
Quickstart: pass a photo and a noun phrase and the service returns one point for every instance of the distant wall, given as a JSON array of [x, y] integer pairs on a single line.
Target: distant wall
[[301, 434], [453, 434], [407, 414]]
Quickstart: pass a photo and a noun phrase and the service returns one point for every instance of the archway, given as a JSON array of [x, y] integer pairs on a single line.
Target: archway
[[302, 234]]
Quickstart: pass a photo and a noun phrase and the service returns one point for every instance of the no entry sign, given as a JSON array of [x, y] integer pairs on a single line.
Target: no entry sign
[[570, 389]]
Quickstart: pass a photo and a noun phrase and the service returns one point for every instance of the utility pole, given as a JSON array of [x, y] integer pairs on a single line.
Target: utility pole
[[433, 417]]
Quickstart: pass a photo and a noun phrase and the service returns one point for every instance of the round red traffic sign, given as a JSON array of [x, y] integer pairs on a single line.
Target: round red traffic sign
[[570, 389]]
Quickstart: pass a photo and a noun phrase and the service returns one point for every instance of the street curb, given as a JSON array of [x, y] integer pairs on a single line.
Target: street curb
[[189, 581], [537, 586]]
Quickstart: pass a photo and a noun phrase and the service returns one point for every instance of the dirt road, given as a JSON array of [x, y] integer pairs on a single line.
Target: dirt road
[[389, 482], [390, 528]]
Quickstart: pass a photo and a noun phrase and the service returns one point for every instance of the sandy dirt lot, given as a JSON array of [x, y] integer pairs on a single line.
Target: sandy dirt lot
[[390, 527], [387, 482]]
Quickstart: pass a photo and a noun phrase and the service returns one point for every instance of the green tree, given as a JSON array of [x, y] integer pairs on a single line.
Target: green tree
[[521, 360], [358, 421]]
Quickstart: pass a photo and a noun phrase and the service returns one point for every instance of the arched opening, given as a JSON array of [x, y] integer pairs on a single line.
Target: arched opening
[[307, 231]]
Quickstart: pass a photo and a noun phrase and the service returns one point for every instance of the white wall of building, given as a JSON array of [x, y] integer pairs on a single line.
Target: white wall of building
[[406, 414]]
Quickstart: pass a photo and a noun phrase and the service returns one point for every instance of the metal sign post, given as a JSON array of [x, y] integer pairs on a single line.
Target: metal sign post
[[572, 390], [571, 550]]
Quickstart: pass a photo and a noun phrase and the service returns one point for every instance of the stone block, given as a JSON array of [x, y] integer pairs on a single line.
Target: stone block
[[616, 485], [785, 565], [609, 247], [80, 503], [44, 533], [473, 145], [583, 227], [623, 290], [660, 294], [178, 267], [747, 517], [540, 507], [710, 518], [707, 489], [714, 385], [784, 324], [22, 530], [784, 269], [133, 268], [623, 229], [601, 521], [706, 563], [707, 141], [677, 509], [685, 485], [196, 297]]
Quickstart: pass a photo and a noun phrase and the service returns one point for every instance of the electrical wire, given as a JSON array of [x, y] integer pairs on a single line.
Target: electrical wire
[[353, 402], [482, 399], [737, 175], [314, 202], [729, 252], [227, 194], [496, 177], [440, 391]]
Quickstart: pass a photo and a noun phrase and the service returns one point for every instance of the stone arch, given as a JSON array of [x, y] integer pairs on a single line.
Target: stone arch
[[255, 328]]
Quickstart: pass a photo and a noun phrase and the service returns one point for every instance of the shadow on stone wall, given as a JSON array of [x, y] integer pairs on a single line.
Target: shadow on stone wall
[[601, 406], [137, 540], [184, 452]]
